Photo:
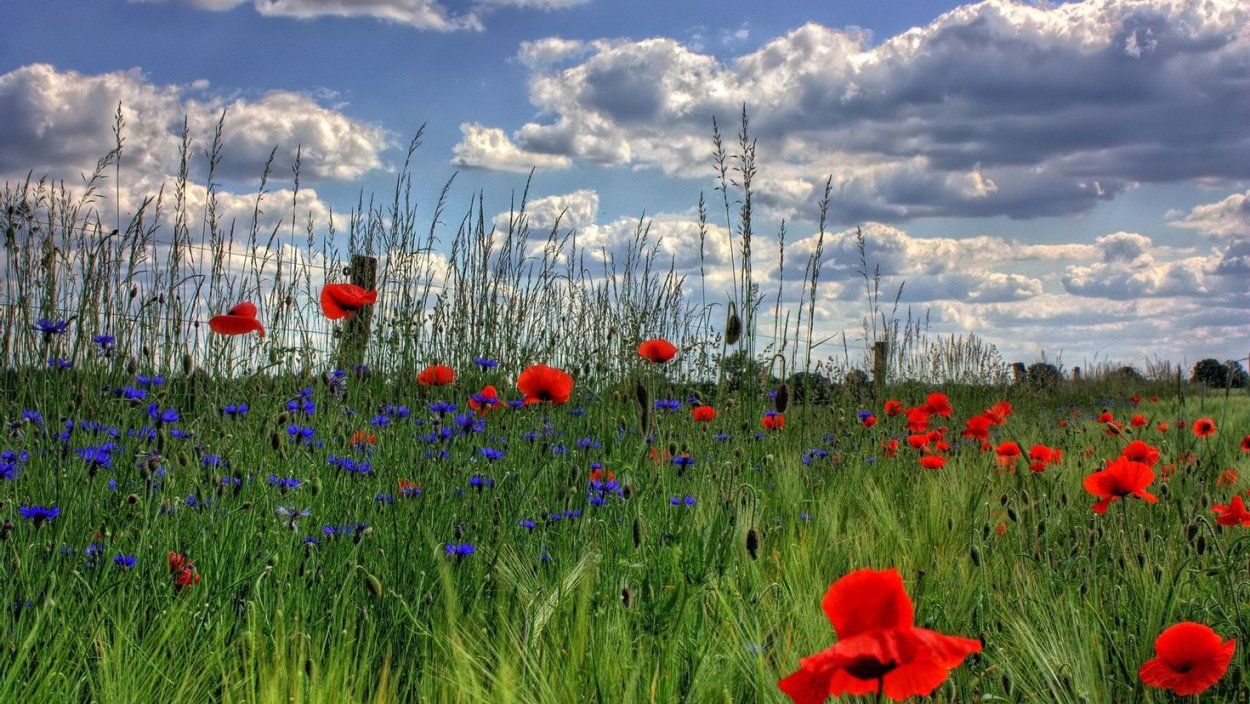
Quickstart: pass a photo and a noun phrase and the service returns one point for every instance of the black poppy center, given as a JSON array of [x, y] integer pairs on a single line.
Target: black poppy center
[[870, 668]]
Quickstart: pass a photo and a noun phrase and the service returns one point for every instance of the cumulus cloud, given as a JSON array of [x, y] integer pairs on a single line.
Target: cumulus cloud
[[61, 122], [570, 211], [1129, 271], [996, 108], [419, 14], [490, 147], [1228, 218]]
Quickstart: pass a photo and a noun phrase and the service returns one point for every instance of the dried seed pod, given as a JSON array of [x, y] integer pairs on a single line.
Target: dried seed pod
[[753, 544], [637, 533], [782, 400], [373, 585]]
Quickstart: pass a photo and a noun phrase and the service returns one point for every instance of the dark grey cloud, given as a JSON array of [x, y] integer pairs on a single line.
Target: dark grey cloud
[[996, 108]]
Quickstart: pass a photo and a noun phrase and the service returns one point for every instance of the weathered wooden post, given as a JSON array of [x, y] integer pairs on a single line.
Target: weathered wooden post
[[1017, 372], [880, 355], [1076, 374], [363, 272]]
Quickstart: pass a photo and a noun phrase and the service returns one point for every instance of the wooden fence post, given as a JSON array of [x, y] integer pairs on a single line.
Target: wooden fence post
[[1076, 374], [880, 354], [363, 272], [1017, 372]]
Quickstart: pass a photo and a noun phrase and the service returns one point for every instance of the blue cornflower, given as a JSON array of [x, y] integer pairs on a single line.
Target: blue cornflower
[[676, 501], [526, 524], [39, 514], [50, 327], [59, 363], [479, 482], [124, 561], [235, 409], [805, 516], [99, 456], [33, 416], [690, 501], [485, 363], [131, 393], [284, 483], [516, 403], [491, 453], [459, 550], [722, 437], [168, 415], [577, 412], [385, 498], [588, 444], [380, 421], [441, 407], [105, 344], [558, 449], [667, 404], [683, 461], [467, 423], [143, 380], [214, 461], [11, 463]]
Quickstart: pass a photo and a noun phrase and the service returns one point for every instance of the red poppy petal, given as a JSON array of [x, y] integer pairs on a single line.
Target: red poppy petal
[[330, 305], [914, 679], [944, 650], [244, 309], [1187, 642], [843, 682], [806, 686], [867, 600], [235, 325]]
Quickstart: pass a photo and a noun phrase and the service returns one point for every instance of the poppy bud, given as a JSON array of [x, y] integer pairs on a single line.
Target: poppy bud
[[1201, 545], [975, 554], [276, 440], [1002, 500], [134, 292], [753, 544], [374, 585], [626, 597], [132, 499], [1011, 513], [640, 393], [637, 532], [132, 366], [733, 325], [782, 400], [5, 530], [246, 505], [1041, 528]]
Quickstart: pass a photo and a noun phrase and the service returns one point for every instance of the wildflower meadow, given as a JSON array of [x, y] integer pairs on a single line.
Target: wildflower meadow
[[317, 463]]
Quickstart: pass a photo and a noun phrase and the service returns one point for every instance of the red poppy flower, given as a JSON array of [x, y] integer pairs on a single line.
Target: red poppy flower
[[937, 404], [1106, 417], [878, 649], [918, 419], [891, 448], [657, 351], [933, 461], [239, 320], [1227, 478], [893, 408], [360, 437], [1134, 400], [1204, 427], [1245, 444], [1139, 421], [182, 571], [436, 375], [342, 300], [1122, 477], [997, 414], [1040, 457], [1008, 452], [977, 427], [918, 441], [773, 421], [1162, 427], [1233, 514], [1139, 451], [1189, 658], [868, 421], [704, 414], [541, 383]]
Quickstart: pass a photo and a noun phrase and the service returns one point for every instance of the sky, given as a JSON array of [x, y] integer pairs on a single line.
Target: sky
[[1068, 181]]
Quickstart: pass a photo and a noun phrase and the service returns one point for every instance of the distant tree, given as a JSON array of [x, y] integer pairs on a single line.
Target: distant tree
[[1043, 375], [1210, 372], [1128, 375], [1237, 375], [809, 387]]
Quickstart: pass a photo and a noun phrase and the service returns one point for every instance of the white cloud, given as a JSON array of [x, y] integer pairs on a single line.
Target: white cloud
[[1228, 218], [419, 14], [571, 211], [1129, 271], [490, 147], [994, 108]]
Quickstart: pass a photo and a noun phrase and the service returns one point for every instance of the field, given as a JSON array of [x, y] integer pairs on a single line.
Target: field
[[322, 515]]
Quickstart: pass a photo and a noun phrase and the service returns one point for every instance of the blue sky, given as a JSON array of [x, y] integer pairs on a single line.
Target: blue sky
[[1066, 178]]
